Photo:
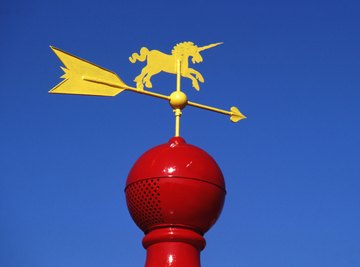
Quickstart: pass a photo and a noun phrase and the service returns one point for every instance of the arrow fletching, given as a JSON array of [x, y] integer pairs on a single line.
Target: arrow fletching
[[85, 78], [236, 115]]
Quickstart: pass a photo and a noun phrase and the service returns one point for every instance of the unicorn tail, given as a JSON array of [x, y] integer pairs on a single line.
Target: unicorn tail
[[143, 54]]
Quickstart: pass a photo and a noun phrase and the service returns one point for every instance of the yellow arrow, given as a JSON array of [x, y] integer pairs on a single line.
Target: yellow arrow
[[85, 78]]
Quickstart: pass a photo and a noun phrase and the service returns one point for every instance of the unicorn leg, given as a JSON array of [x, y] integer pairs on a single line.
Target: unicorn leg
[[139, 84], [140, 79], [195, 83], [147, 81], [197, 74], [148, 76]]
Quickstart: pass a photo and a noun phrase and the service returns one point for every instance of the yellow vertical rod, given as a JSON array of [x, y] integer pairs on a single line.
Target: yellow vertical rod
[[177, 122], [177, 111], [178, 75]]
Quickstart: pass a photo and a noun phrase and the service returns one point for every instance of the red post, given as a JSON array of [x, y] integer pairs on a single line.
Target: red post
[[173, 247]]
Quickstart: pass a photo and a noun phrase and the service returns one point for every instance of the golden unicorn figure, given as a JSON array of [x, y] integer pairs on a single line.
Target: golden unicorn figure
[[158, 61]]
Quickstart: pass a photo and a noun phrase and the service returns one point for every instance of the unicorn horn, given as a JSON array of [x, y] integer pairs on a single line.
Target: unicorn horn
[[208, 46]]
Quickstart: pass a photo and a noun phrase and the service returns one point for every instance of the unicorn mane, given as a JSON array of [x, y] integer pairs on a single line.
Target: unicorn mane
[[182, 47]]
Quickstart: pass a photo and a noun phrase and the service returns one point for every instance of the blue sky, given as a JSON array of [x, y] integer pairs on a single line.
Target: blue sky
[[292, 168]]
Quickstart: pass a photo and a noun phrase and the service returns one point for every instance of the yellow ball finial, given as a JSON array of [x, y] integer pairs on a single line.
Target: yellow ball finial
[[178, 100]]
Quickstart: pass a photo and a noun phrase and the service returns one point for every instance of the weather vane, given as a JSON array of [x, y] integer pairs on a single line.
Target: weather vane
[[175, 191], [84, 78]]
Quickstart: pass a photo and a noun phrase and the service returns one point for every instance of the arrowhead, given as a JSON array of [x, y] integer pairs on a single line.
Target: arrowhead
[[236, 115]]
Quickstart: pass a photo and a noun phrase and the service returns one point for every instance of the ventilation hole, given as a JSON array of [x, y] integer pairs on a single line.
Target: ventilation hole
[[143, 199]]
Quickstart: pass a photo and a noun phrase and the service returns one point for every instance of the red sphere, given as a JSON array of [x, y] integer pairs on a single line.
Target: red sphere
[[175, 185]]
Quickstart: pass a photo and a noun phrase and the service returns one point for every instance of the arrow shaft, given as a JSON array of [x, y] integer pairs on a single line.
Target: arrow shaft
[[165, 97], [143, 92], [129, 88], [209, 108]]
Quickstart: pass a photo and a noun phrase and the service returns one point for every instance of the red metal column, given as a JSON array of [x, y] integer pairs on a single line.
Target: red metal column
[[174, 247]]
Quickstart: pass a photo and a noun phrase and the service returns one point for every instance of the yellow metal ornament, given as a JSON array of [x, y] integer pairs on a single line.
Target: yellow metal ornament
[[85, 78]]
